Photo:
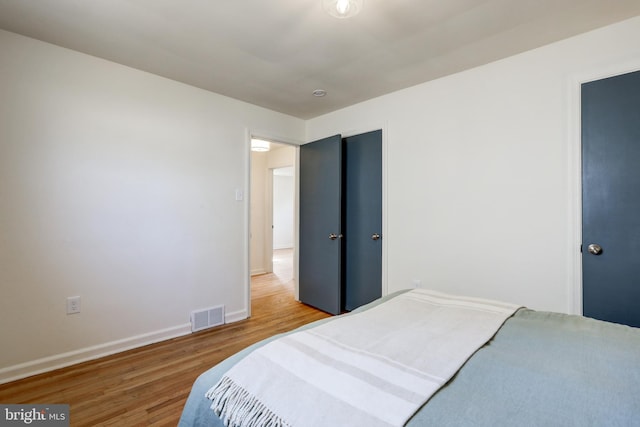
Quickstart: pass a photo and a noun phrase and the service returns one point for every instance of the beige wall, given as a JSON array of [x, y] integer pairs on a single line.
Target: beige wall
[[257, 241], [261, 192]]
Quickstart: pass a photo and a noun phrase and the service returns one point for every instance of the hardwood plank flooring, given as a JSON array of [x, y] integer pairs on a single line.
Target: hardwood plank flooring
[[149, 385]]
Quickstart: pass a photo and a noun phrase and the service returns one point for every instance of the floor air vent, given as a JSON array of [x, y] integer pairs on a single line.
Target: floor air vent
[[207, 318]]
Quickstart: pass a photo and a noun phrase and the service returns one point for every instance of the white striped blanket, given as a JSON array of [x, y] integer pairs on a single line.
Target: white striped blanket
[[373, 368]]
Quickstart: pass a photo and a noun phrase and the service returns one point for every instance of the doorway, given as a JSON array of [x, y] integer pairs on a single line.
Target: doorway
[[272, 212]]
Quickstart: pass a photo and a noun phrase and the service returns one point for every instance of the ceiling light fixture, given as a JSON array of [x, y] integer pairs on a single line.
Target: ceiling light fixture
[[260, 145], [342, 8]]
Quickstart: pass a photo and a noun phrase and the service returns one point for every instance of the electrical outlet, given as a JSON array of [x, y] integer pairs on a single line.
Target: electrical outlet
[[73, 305]]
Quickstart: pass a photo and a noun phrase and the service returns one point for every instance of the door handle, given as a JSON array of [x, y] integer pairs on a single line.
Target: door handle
[[375, 236], [594, 249], [334, 236]]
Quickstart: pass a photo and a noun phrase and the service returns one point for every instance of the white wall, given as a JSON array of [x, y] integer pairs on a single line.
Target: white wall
[[480, 171], [118, 186], [284, 197], [283, 209]]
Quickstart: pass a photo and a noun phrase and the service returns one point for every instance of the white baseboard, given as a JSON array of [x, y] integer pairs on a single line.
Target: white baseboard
[[58, 361], [287, 246], [236, 316], [46, 364]]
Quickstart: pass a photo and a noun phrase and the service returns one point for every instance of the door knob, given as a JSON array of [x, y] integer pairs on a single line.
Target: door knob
[[375, 236], [594, 249], [334, 236]]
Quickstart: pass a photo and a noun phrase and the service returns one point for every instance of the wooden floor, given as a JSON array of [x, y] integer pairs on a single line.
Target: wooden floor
[[149, 385]]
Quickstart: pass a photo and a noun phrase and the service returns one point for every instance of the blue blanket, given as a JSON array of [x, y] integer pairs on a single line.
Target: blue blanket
[[540, 369]]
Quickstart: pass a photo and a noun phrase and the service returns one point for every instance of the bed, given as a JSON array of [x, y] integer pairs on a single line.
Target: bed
[[538, 369]]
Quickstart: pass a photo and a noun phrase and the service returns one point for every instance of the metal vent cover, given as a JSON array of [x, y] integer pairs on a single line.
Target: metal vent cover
[[207, 318]]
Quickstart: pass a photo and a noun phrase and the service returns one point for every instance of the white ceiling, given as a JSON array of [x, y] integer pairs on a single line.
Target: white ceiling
[[274, 53]]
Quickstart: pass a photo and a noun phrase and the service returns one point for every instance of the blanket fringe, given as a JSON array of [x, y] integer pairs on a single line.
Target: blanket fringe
[[237, 408]]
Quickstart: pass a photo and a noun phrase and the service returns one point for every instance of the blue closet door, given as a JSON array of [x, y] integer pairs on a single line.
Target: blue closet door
[[320, 249], [363, 219], [611, 199]]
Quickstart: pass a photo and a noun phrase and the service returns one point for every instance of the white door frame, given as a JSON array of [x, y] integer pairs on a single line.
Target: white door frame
[[267, 252], [269, 212]]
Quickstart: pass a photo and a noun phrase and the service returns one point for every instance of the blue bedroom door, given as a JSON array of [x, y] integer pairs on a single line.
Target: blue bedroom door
[[320, 251], [611, 199], [363, 218]]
